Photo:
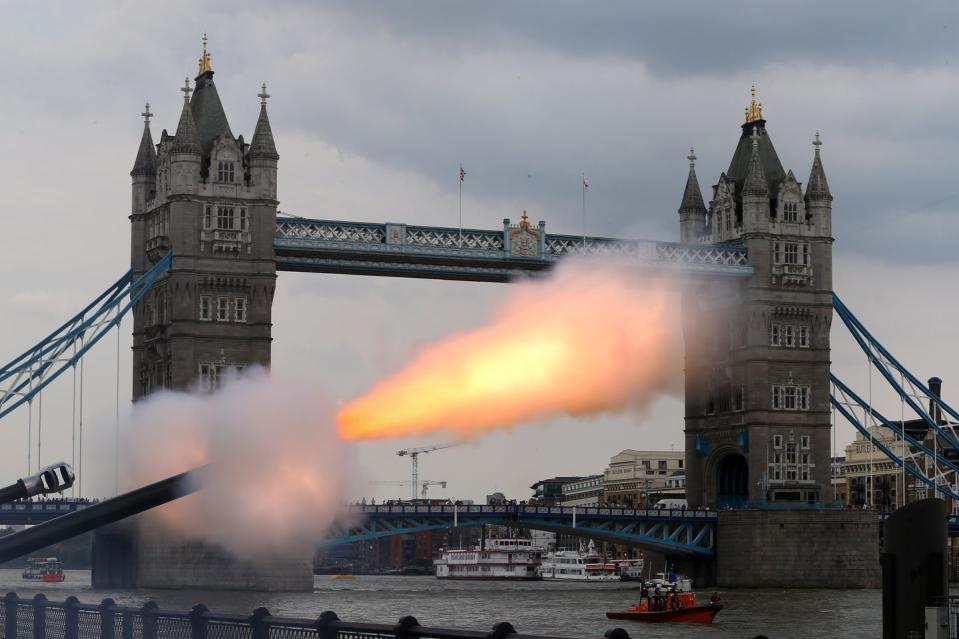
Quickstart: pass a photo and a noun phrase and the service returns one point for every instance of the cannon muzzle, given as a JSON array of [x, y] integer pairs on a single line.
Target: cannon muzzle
[[54, 478]]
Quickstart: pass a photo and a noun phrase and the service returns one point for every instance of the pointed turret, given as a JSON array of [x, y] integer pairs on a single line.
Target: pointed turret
[[817, 188], [692, 209], [755, 191], [185, 140], [145, 163], [262, 156], [262, 144], [144, 167], [818, 197], [755, 183]]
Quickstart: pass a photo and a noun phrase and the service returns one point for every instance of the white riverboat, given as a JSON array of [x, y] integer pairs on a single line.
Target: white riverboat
[[512, 559], [579, 565], [630, 569]]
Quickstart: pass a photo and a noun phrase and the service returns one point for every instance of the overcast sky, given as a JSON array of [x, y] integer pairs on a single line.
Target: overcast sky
[[374, 106]]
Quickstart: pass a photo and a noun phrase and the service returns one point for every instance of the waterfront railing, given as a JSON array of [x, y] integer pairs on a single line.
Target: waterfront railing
[[39, 618]]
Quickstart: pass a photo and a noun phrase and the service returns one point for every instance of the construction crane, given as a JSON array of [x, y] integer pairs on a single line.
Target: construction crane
[[426, 483], [414, 455]]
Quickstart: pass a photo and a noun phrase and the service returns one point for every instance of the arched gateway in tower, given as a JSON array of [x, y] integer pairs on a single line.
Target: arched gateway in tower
[[757, 349]]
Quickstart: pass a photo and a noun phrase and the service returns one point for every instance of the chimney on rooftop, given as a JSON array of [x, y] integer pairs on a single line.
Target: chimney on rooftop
[[935, 387]]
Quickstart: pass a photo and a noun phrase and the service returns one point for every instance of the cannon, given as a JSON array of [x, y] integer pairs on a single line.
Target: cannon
[[54, 478], [100, 514]]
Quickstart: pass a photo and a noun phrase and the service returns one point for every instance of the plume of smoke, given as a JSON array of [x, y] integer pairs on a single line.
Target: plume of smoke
[[594, 336], [278, 469]]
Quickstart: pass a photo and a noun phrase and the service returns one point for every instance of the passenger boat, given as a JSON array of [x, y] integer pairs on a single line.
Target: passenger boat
[[509, 559], [46, 569], [662, 604], [630, 569], [579, 565]]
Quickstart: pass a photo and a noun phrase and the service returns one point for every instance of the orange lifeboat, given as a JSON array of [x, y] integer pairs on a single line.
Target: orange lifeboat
[[680, 607]]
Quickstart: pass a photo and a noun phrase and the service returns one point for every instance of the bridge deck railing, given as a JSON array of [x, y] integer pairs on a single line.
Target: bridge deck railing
[[39, 618], [524, 510]]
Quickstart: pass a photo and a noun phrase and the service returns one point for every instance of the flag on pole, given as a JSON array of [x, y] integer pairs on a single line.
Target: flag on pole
[[462, 174], [585, 183]]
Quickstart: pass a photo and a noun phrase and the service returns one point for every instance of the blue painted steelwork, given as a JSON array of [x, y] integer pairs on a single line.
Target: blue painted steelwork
[[929, 464], [331, 246], [690, 532], [886, 364], [913, 470], [29, 513], [25, 376]]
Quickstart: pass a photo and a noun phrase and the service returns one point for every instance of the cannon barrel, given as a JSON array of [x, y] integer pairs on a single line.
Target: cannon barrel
[[100, 514], [54, 478]]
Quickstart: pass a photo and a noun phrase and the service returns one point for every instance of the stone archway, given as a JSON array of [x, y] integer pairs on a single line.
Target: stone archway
[[732, 482]]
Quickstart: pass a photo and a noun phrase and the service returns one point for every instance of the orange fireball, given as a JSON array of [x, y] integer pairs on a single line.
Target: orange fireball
[[591, 338]]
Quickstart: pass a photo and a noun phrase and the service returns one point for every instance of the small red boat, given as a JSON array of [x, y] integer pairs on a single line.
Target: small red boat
[[678, 607], [46, 569]]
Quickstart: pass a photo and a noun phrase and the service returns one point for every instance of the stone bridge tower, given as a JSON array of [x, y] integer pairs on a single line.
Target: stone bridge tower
[[757, 350], [210, 198]]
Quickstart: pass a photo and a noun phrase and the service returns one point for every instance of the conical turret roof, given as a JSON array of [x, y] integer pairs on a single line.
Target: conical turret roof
[[755, 182], [692, 195], [739, 166], [185, 139], [145, 163], [262, 145], [817, 188], [208, 113]]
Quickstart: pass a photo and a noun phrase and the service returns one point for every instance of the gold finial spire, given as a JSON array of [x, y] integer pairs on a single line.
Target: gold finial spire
[[754, 111], [204, 61], [525, 221]]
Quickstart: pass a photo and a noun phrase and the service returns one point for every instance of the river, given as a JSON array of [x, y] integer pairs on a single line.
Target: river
[[549, 608]]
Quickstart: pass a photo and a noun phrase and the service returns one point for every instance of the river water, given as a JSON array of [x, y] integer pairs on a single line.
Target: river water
[[549, 608]]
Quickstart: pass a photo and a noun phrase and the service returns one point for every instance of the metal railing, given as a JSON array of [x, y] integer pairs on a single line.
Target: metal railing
[[38, 618], [519, 510]]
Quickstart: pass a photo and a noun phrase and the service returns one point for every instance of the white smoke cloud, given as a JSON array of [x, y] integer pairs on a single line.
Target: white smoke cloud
[[278, 469]]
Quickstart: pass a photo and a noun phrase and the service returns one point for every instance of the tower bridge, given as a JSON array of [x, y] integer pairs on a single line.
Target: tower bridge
[[207, 245], [400, 250]]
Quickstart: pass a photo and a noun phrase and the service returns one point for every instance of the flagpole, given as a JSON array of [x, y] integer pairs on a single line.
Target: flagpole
[[461, 206], [584, 212]]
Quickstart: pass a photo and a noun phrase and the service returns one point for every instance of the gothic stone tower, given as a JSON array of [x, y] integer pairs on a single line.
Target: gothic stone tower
[[210, 198], [757, 350]]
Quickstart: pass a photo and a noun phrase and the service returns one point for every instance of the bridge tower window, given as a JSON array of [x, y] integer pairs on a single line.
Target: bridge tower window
[[222, 309], [224, 218], [239, 309], [224, 171], [789, 336], [206, 308], [790, 212]]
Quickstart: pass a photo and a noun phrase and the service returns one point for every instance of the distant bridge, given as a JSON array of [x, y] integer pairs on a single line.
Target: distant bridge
[[402, 250], [29, 513], [691, 532]]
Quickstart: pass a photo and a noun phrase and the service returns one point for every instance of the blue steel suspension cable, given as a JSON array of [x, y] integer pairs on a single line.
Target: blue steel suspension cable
[[870, 345], [30, 372]]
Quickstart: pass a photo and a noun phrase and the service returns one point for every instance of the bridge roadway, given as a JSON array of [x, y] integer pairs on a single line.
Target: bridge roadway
[[691, 532], [401, 250], [674, 531]]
